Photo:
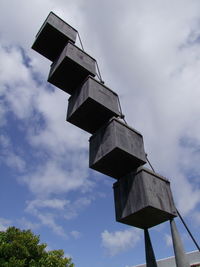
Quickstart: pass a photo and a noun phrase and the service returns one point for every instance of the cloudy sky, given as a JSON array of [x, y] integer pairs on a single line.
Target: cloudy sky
[[148, 52]]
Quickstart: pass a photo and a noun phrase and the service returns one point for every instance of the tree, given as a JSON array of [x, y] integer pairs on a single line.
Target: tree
[[21, 248]]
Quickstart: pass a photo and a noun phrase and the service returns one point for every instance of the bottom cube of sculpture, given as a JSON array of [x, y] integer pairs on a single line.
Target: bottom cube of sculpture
[[143, 199]]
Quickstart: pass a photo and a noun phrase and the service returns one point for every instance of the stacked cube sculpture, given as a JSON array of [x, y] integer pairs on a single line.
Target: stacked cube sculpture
[[142, 198]]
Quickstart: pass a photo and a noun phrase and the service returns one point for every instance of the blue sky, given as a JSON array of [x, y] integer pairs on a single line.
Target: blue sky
[[148, 52]]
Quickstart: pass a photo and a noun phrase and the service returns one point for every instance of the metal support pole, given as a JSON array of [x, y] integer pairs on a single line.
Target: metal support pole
[[180, 257], [150, 257], [195, 242]]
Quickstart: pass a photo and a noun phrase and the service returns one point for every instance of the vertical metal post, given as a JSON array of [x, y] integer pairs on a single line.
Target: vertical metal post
[[193, 239], [150, 257], [180, 257]]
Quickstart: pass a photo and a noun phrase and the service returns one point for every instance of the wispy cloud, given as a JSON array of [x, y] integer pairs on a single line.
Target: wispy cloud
[[4, 224], [10, 157], [75, 234], [17, 86], [116, 242], [58, 204], [168, 240], [47, 211], [27, 224], [196, 218], [54, 178], [42, 210]]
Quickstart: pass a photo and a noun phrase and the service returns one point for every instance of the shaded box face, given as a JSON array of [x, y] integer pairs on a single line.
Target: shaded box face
[[71, 69], [143, 199], [116, 149], [53, 37], [92, 105]]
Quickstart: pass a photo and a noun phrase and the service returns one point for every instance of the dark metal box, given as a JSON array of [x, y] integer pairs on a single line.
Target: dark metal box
[[116, 149], [92, 105], [53, 37], [143, 199], [71, 69]]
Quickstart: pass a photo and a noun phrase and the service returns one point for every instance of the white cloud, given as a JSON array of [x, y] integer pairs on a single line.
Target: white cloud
[[2, 115], [61, 206], [76, 207], [187, 195], [168, 240], [4, 224], [5, 142], [58, 204], [48, 130], [18, 89], [9, 156], [13, 160], [48, 210], [115, 242], [196, 218], [53, 178], [27, 224], [48, 219], [57, 135], [75, 234]]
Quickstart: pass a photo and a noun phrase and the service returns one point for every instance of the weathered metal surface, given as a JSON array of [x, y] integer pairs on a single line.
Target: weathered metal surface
[[143, 199], [53, 37], [92, 105], [71, 69], [180, 256], [116, 149], [150, 256]]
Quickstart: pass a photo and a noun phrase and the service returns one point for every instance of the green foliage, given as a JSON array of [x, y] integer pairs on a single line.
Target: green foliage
[[21, 248]]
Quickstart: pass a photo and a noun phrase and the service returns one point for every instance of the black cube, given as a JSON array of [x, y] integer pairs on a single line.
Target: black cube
[[92, 105], [71, 69], [116, 149], [53, 37], [143, 199]]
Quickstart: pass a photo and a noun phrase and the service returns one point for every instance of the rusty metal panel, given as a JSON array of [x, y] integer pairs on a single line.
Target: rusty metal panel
[[71, 69], [116, 149], [143, 199], [53, 37], [92, 105]]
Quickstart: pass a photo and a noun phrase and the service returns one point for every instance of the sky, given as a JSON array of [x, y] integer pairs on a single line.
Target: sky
[[148, 52]]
